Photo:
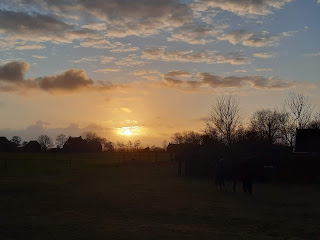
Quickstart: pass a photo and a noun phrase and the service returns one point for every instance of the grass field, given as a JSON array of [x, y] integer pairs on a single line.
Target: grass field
[[148, 201]]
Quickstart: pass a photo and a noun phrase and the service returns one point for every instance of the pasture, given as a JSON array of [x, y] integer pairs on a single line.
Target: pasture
[[99, 197]]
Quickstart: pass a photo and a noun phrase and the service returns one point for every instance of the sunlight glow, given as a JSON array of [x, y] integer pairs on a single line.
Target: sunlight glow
[[127, 132], [130, 131]]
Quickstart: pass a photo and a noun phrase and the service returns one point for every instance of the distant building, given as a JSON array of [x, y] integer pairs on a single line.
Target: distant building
[[307, 141], [174, 148], [80, 145], [6, 145], [32, 146]]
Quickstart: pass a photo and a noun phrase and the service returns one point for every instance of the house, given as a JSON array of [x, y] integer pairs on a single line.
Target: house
[[174, 148], [75, 144], [32, 146], [6, 145], [307, 141], [80, 145]]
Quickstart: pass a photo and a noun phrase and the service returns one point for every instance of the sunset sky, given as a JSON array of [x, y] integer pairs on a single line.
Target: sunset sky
[[145, 69]]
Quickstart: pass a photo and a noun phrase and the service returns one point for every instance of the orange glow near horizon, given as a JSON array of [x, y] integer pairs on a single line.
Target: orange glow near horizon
[[130, 131]]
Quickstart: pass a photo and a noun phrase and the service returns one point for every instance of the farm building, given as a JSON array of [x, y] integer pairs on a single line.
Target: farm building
[[32, 146], [307, 140], [6, 145], [78, 145]]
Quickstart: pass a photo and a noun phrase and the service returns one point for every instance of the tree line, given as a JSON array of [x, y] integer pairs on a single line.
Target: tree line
[[47, 142], [225, 123]]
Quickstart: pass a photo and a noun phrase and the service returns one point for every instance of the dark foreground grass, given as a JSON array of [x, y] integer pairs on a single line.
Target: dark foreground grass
[[150, 202]]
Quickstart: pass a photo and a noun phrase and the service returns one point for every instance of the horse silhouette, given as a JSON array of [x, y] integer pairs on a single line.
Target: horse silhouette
[[236, 169]]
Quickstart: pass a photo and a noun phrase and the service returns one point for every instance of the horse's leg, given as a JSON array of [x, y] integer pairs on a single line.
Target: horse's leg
[[220, 183], [244, 184], [249, 186]]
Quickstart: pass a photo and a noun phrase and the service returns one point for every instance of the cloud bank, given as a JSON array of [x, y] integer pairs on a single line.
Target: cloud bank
[[12, 78]]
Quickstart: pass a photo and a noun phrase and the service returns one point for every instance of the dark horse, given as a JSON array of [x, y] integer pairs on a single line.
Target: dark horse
[[240, 169]]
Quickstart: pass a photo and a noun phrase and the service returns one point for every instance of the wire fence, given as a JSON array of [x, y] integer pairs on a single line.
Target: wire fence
[[52, 162]]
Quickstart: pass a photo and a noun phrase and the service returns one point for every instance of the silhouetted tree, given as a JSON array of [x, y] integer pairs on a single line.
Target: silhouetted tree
[[164, 144], [267, 124], [225, 117], [61, 139], [93, 137], [315, 123], [137, 144], [24, 143], [300, 107], [189, 137], [287, 129], [106, 145], [90, 136], [16, 140], [45, 141]]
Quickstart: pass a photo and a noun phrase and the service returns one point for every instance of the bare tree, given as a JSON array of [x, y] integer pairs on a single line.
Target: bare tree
[[287, 128], [189, 137], [45, 141], [90, 136], [225, 117], [93, 137], [300, 107], [61, 139], [16, 140], [266, 123], [315, 123]]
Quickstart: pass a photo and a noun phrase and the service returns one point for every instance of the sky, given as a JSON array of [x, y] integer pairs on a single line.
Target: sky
[[145, 69]]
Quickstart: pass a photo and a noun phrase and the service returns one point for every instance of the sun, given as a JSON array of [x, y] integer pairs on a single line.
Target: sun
[[128, 132]]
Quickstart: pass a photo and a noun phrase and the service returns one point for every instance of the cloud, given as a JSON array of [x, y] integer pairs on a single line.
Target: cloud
[[30, 47], [262, 39], [131, 60], [123, 18], [195, 34], [316, 54], [252, 81], [70, 80], [243, 7], [127, 110], [12, 79], [265, 55], [36, 27], [101, 59], [187, 81], [107, 59], [264, 69], [39, 57], [130, 49], [100, 43], [209, 57], [236, 36], [105, 70], [149, 75], [13, 72]]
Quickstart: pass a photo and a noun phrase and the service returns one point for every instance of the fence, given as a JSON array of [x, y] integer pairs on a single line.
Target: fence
[[52, 162]]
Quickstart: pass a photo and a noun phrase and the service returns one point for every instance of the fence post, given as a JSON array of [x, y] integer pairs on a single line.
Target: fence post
[[5, 165], [70, 162]]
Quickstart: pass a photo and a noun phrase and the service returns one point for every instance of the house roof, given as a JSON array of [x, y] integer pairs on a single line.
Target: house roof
[[307, 140]]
